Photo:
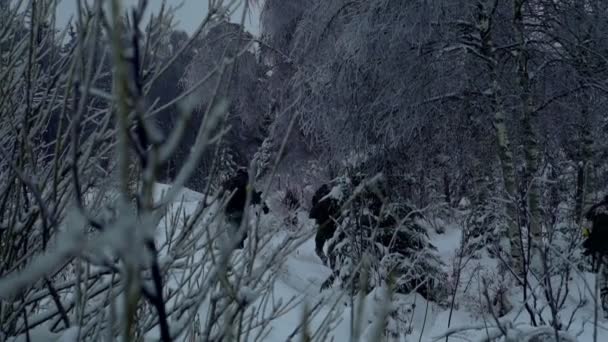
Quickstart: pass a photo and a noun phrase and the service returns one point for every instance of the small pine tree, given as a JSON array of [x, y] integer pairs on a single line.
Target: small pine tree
[[482, 229], [398, 245]]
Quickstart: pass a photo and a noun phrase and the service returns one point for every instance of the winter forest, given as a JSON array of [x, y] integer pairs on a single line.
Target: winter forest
[[357, 170]]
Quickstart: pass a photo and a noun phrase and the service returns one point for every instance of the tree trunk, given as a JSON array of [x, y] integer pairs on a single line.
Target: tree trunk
[[530, 142], [584, 158], [502, 138], [446, 189]]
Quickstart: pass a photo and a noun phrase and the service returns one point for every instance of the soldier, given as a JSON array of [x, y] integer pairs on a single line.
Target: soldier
[[236, 205], [596, 245], [325, 211]]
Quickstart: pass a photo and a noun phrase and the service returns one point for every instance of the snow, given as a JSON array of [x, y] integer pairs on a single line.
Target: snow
[[336, 192], [42, 333], [464, 203], [299, 279], [447, 243], [184, 194]]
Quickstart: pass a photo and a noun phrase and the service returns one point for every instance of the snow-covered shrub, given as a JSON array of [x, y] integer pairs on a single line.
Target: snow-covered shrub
[[387, 315], [471, 296], [483, 226], [388, 234], [291, 199], [87, 244]]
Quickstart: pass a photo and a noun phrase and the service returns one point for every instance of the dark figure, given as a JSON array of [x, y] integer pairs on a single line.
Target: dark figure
[[597, 242], [236, 205], [596, 245], [325, 211]]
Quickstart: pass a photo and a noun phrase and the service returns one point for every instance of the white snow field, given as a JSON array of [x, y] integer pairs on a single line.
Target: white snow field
[[302, 274], [299, 278]]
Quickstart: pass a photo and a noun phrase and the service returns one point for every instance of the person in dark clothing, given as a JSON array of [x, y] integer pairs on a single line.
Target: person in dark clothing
[[236, 204], [596, 245], [325, 211]]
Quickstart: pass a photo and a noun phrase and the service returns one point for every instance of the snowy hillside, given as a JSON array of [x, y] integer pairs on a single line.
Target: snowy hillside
[[352, 170], [293, 288], [301, 274]]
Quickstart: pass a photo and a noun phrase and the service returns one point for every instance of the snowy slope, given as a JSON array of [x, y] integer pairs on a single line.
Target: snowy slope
[[302, 274], [299, 278]]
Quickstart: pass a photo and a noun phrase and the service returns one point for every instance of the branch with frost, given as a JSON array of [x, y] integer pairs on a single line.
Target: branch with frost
[[73, 140], [40, 267]]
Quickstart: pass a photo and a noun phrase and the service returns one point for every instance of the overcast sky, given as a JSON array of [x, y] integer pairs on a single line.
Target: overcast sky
[[189, 15]]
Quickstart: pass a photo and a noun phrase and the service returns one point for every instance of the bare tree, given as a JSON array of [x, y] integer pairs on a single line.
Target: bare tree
[[89, 244]]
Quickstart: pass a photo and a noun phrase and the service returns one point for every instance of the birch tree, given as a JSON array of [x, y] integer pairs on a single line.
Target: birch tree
[[522, 54], [483, 43]]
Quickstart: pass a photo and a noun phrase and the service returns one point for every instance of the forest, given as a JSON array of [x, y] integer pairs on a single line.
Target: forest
[[357, 170]]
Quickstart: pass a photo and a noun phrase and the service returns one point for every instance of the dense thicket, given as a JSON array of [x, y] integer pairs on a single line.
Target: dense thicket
[[417, 84], [492, 106], [497, 101]]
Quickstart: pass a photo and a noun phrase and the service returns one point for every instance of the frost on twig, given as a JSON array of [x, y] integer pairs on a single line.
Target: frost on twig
[[119, 261]]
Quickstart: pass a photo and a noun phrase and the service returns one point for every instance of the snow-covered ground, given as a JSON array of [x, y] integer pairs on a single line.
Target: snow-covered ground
[[302, 274]]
